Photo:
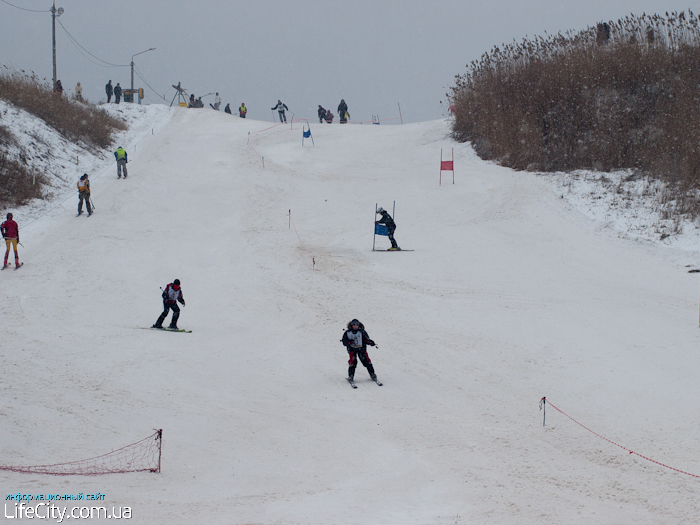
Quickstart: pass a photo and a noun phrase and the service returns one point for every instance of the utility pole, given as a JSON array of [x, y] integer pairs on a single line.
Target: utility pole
[[55, 13], [132, 70]]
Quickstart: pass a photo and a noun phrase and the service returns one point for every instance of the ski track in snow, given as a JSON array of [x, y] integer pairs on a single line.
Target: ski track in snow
[[511, 294]]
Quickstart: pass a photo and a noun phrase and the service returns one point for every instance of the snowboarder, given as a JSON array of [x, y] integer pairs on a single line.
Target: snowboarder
[[171, 296], [79, 92], [84, 194], [329, 116], [10, 232], [321, 114], [356, 340], [242, 110], [390, 226], [343, 111], [227, 109], [280, 110], [199, 103], [122, 159], [217, 102], [117, 93], [109, 90]]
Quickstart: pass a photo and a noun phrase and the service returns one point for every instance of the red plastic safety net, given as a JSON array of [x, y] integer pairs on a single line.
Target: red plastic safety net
[[142, 456]]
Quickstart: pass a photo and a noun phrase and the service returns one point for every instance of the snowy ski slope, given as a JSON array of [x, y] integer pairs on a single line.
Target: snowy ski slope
[[510, 295]]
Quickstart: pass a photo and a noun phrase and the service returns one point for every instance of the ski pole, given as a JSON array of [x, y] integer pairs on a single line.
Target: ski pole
[[92, 204]]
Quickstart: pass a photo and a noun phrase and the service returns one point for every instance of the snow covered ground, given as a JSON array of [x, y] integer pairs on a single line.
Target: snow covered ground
[[511, 294]]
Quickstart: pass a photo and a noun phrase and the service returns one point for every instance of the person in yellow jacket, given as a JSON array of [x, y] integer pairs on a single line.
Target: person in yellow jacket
[[84, 194], [121, 157], [242, 110]]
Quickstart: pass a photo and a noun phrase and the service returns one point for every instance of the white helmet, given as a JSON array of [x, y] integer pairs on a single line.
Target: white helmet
[[380, 210]]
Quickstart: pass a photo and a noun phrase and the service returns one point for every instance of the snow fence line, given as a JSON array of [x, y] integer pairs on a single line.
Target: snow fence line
[[543, 404], [142, 456]]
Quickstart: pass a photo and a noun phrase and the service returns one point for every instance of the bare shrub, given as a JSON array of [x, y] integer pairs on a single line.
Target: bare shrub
[[619, 95], [18, 185], [76, 121]]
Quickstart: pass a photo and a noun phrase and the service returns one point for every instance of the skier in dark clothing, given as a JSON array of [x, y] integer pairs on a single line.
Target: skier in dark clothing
[[280, 110], [227, 109], [109, 90], [356, 340], [390, 226], [329, 116], [117, 93], [171, 296], [343, 112], [321, 114]]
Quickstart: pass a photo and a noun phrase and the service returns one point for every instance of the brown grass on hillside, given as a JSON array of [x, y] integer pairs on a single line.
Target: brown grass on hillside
[[18, 185], [620, 95], [77, 122]]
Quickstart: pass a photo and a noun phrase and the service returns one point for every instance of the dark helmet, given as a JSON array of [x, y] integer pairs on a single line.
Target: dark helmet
[[177, 282], [84, 176], [354, 322], [9, 215]]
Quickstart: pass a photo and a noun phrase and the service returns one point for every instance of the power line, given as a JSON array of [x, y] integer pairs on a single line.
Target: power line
[[88, 52], [25, 9], [144, 80]]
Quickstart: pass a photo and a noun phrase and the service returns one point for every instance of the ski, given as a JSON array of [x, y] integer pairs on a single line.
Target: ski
[[401, 250], [352, 382], [18, 267], [6, 266], [379, 383], [166, 329]]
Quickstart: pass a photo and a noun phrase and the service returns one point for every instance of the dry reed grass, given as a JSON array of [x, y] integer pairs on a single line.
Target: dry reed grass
[[619, 95]]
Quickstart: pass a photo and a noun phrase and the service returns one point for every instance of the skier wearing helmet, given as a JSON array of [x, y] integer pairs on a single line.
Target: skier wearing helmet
[[356, 340], [171, 296], [10, 232], [280, 110], [390, 226]]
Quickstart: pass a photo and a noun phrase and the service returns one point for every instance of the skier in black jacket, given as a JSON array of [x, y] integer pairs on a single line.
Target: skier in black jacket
[[171, 296], [343, 111], [356, 340], [280, 110], [321, 114], [390, 226]]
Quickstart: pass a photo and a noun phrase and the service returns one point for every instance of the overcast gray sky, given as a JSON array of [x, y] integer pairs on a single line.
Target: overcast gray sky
[[374, 54]]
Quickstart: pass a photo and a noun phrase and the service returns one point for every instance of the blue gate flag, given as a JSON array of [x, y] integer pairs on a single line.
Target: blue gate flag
[[307, 134], [381, 229]]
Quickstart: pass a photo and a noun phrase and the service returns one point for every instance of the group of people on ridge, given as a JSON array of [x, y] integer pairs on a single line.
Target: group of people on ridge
[[325, 114], [116, 91]]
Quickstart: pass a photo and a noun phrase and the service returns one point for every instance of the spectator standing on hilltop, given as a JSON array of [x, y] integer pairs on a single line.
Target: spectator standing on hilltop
[[58, 88], [109, 90], [10, 232], [84, 194], [217, 102], [321, 114], [193, 102], [121, 157], [280, 110], [117, 93], [79, 92], [242, 110], [227, 109], [343, 111], [199, 103]]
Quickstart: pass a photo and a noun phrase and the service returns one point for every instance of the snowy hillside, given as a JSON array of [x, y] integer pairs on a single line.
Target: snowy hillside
[[509, 296]]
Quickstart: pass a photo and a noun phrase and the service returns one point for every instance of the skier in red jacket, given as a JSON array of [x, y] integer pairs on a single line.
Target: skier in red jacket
[[171, 295], [10, 232]]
